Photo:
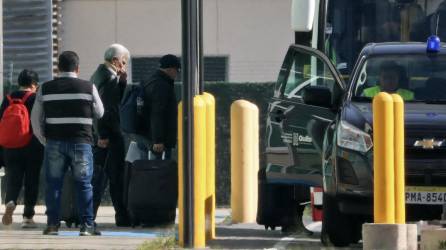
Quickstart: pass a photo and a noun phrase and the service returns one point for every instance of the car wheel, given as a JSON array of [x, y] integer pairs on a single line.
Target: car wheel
[[336, 226]]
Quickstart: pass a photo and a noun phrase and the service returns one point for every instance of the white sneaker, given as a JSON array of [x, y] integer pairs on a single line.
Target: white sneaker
[[28, 223], [7, 216]]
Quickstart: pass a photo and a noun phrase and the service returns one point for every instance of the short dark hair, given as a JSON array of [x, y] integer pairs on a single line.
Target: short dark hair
[[389, 66], [27, 78], [68, 61]]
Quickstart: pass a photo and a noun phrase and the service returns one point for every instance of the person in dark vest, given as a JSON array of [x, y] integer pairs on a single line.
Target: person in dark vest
[[160, 108], [62, 119], [110, 79], [23, 164]]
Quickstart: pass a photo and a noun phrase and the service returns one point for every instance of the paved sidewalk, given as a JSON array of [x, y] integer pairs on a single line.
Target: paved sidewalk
[[14, 237]]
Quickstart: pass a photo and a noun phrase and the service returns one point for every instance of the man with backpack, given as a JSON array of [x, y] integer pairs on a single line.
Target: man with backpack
[[152, 190], [62, 119], [110, 79], [23, 153], [159, 111]]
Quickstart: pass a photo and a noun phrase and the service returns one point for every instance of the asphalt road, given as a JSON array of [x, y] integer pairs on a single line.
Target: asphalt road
[[253, 236]]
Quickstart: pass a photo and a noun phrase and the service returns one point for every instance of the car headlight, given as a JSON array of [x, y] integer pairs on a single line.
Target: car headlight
[[353, 138]]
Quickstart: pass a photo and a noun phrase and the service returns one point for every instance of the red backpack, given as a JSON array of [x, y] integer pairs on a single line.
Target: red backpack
[[15, 130]]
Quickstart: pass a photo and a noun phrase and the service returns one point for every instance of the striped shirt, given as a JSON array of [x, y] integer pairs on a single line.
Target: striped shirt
[[67, 115]]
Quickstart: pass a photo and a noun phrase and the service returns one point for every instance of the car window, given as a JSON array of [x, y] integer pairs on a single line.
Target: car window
[[306, 70], [415, 77]]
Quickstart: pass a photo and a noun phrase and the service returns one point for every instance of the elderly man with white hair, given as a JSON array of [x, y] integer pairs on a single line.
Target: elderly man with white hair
[[110, 79]]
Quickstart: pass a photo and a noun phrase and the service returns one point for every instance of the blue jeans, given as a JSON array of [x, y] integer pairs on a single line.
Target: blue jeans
[[59, 155]]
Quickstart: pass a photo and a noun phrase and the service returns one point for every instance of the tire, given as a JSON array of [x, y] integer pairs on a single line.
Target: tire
[[336, 226]]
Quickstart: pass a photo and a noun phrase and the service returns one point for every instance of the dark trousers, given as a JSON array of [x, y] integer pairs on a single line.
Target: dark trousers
[[109, 168], [23, 168]]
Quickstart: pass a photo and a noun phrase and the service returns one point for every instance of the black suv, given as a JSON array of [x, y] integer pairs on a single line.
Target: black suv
[[319, 133]]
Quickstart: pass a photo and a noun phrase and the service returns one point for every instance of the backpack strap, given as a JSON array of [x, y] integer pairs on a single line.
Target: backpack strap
[[146, 83], [26, 96], [10, 100], [22, 100]]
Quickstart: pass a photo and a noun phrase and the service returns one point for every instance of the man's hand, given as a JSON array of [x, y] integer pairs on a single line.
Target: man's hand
[[103, 143], [122, 75], [158, 148]]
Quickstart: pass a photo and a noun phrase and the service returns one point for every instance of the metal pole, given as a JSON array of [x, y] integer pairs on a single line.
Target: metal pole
[[200, 51], [190, 79]]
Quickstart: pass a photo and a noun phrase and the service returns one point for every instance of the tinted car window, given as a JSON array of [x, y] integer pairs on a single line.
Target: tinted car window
[[306, 70]]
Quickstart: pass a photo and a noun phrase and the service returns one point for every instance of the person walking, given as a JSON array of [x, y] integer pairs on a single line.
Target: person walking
[[62, 119], [22, 164], [110, 79]]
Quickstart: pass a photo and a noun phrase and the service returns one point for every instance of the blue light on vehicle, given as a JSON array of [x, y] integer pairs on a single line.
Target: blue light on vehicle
[[433, 44]]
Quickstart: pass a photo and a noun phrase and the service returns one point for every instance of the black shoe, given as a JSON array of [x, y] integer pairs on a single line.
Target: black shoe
[[89, 230], [51, 230]]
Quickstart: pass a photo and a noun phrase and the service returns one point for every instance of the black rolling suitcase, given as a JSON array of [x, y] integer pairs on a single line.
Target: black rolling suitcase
[[278, 204], [273, 206], [68, 208], [152, 191]]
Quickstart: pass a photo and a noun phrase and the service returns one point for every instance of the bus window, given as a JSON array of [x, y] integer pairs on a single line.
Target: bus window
[[352, 24]]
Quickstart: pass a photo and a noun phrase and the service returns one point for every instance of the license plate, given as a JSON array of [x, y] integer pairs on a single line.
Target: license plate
[[425, 195]]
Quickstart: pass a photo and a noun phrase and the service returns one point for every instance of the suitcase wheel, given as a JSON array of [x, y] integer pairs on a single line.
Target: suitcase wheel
[[133, 221], [270, 227]]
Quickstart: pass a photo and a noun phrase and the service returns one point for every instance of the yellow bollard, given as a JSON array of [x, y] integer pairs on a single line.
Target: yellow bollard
[[383, 159], [244, 161], [180, 177], [400, 200], [210, 166], [199, 170], [199, 174]]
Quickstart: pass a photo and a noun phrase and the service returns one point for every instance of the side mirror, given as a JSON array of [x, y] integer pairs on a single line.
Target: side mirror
[[302, 15], [317, 96]]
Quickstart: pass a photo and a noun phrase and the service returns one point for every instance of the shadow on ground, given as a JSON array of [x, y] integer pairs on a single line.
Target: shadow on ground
[[248, 238], [242, 238]]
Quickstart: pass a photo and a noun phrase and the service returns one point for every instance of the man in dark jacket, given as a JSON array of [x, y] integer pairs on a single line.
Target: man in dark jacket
[[160, 107], [110, 79]]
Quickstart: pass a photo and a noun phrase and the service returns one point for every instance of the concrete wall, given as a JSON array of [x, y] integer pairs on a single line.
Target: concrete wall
[[254, 34]]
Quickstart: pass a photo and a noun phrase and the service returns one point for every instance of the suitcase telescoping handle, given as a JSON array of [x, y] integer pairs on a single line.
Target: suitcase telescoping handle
[[150, 155]]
